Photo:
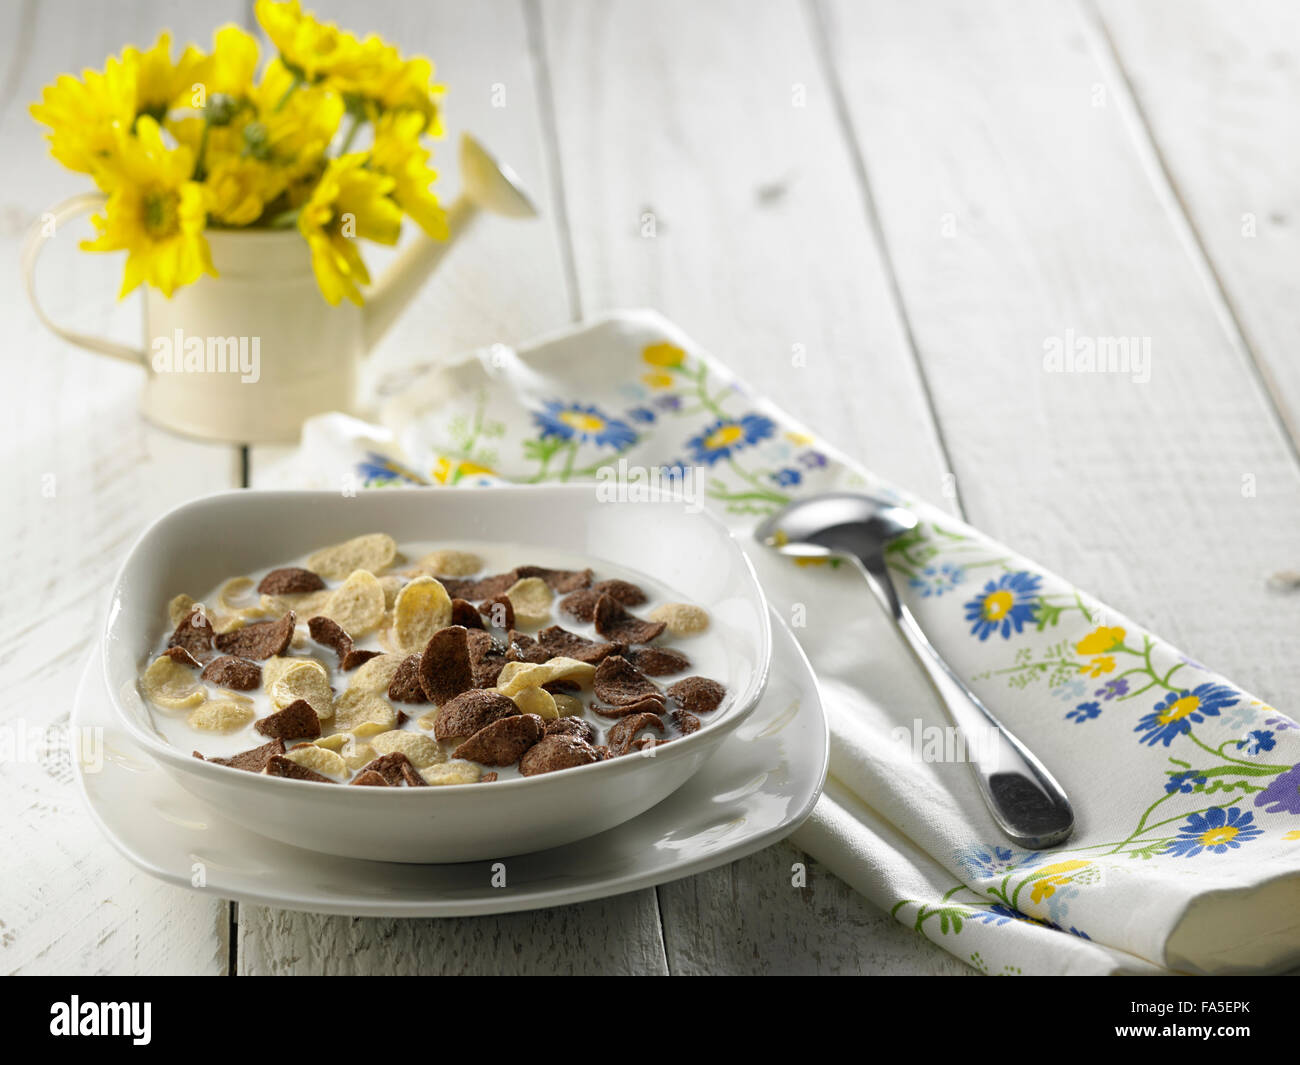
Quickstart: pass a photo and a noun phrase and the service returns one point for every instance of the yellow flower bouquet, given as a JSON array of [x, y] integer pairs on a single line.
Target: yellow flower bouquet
[[328, 139]]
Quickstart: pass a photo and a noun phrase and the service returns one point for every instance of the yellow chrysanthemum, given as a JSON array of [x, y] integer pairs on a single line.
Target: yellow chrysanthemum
[[1100, 640], [663, 354], [293, 124], [398, 153], [86, 117], [239, 188], [375, 73], [348, 202], [230, 69], [160, 83], [155, 213], [309, 47]]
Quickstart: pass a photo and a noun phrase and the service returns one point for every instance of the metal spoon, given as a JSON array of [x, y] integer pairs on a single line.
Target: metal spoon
[[1023, 797]]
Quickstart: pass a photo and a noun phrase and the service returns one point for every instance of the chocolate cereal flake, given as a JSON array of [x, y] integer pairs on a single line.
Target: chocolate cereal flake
[[182, 657], [658, 661], [499, 611], [330, 633], [290, 580], [571, 726], [620, 683], [253, 761], [486, 657], [581, 604], [369, 779], [405, 686], [279, 766], [622, 733], [470, 711], [236, 673], [445, 669], [479, 587], [699, 695], [390, 767], [625, 592], [297, 721], [561, 643], [465, 613], [560, 581], [260, 640], [523, 648], [649, 704], [503, 742], [556, 752], [356, 658], [685, 721], [615, 623], [194, 634]]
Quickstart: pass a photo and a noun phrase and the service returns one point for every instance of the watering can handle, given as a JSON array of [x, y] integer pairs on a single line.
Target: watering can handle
[[42, 230]]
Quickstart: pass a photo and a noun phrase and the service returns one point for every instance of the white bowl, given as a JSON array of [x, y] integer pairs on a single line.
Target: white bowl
[[200, 543]]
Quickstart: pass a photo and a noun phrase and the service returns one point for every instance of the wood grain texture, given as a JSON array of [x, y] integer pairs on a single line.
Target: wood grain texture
[[706, 174], [609, 937], [1217, 85], [750, 918], [82, 475], [1013, 124]]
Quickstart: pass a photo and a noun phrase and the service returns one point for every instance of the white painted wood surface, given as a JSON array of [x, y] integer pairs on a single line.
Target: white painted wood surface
[[912, 196]]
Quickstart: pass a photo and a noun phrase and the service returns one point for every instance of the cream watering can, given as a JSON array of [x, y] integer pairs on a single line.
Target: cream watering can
[[246, 356]]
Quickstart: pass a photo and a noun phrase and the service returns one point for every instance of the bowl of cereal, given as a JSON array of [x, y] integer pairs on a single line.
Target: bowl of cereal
[[434, 675]]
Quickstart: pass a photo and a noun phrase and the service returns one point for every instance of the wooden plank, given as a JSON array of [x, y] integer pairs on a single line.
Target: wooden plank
[[505, 283], [609, 937], [1216, 84], [705, 174], [1174, 499], [82, 475]]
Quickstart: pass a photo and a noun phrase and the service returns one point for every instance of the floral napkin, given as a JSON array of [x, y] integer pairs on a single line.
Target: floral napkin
[[1186, 789]]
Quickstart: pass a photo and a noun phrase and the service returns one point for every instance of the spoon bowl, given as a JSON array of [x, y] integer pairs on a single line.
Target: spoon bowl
[[1024, 799]]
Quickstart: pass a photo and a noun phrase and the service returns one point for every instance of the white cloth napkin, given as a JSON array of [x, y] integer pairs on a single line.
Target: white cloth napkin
[[1186, 789]]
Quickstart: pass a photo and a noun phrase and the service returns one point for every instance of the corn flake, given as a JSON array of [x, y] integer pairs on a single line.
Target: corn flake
[[376, 675], [220, 715], [422, 608], [305, 679], [363, 713], [567, 705], [531, 599], [355, 754], [681, 619], [516, 676], [457, 771], [357, 604], [374, 553], [391, 586], [171, 685], [536, 701], [451, 563], [179, 608], [321, 760], [421, 750]]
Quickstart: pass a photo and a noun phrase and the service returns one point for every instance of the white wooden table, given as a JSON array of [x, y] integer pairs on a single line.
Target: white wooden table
[[915, 196]]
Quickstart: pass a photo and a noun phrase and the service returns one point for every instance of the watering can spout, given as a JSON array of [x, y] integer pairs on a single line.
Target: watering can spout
[[486, 185]]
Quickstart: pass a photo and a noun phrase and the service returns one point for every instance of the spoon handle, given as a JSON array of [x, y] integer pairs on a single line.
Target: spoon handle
[[1023, 797]]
